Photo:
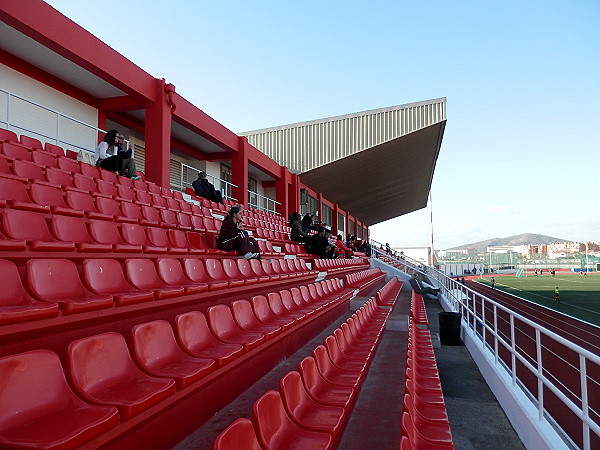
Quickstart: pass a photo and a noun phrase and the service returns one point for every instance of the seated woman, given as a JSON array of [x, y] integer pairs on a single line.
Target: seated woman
[[106, 153], [233, 236], [297, 233]]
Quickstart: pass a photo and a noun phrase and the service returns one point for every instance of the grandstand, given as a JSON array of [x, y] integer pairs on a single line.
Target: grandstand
[[123, 326]]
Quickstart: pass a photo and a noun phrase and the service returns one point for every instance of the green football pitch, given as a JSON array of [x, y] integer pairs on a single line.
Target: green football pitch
[[579, 296]]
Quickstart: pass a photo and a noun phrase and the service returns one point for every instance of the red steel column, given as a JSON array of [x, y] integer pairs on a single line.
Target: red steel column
[[334, 219], [281, 192], [157, 135], [239, 172], [294, 195]]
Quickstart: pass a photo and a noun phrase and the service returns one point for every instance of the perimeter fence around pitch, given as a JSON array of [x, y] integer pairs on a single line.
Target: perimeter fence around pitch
[[559, 379]]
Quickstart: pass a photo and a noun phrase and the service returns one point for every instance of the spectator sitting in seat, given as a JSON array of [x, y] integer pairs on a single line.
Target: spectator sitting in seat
[[297, 234], [317, 244], [341, 249], [106, 153], [233, 236], [128, 168], [420, 287], [307, 223], [205, 188], [365, 247]]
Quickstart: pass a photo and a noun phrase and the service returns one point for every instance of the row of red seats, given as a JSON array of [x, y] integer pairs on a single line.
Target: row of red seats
[[388, 295], [313, 404], [36, 230], [424, 418], [39, 231], [68, 174], [35, 179], [364, 279], [107, 282], [296, 249], [40, 409], [418, 313], [49, 151], [339, 265]]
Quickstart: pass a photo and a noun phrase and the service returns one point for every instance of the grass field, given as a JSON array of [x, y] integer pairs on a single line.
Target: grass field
[[579, 297]]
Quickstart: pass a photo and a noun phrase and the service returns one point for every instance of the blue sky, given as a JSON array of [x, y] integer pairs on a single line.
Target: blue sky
[[522, 79]]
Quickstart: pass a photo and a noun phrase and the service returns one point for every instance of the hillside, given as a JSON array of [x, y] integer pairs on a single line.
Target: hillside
[[519, 239]]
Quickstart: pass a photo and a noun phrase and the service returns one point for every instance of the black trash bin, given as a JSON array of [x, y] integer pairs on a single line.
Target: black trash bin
[[449, 327]]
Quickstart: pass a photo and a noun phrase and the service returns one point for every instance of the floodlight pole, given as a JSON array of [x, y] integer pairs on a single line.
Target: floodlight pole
[[431, 257]]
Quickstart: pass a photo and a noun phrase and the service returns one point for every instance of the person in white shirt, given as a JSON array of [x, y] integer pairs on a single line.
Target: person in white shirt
[[107, 153]]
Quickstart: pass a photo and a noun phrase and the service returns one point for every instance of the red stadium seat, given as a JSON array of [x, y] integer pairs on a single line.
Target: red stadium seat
[[305, 410], [8, 136], [171, 272], [112, 208], [57, 281], [246, 272], [320, 389], [109, 176], [45, 159], [106, 232], [28, 170], [125, 193], [239, 435], [59, 177], [134, 234], [102, 371], [276, 304], [52, 196], [15, 151], [223, 326], [88, 170], [16, 305], [331, 372], [83, 201], [67, 164], [32, 227], [142, 274], [13, 192], [39, 410], [84, 183], [275, 429], [30, 142], [257, 270], [262, 310], [67, 228], [54, 149], [194, 269], [159, 237], [105, 277], [178, 239], [157, 352], [247, 321], [195, 337], [214, 269]]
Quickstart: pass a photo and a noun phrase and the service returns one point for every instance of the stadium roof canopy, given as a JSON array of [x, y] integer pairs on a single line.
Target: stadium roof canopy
[[376, 164], [384, 181]]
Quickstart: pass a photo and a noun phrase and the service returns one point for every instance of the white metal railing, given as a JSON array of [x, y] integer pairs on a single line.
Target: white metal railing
[[255, 200], [60, 118], [499, 336], [225, 185], [260, 202]]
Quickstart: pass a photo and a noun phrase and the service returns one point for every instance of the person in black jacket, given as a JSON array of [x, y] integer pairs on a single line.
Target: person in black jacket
[[421, 287], [317, 244], [204, 188]]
